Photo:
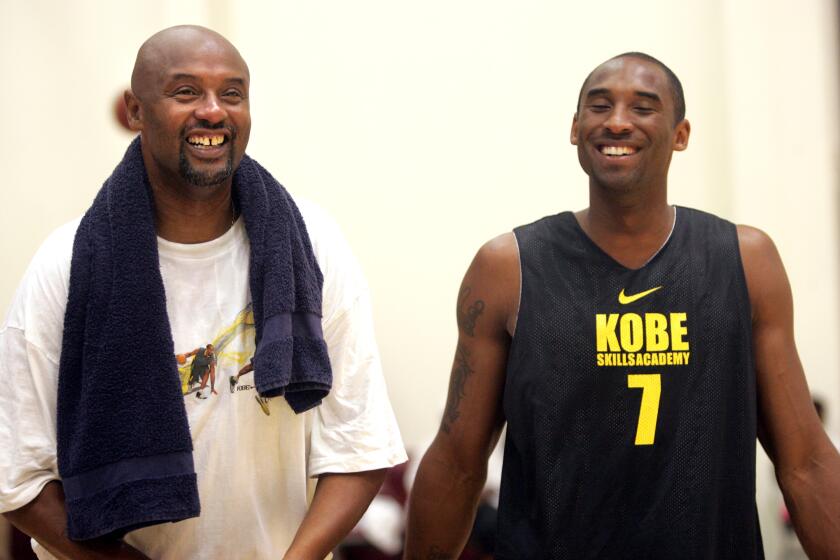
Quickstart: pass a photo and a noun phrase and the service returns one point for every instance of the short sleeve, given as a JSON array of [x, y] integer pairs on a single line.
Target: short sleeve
[[28, 381], [354, 429], [30, 346]]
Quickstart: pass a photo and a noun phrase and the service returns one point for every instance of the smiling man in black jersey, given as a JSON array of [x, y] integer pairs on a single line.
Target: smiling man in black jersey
[[635, 350]]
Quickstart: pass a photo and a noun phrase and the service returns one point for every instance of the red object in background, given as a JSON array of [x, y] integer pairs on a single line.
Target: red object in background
[[394, 485], [120, 111], [785, 516]]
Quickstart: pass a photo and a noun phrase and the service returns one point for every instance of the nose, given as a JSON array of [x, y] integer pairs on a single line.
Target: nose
[[210, 109], [619, 121]]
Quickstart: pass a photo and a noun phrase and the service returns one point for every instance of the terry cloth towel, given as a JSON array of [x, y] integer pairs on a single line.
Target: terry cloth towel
[[124, 445]]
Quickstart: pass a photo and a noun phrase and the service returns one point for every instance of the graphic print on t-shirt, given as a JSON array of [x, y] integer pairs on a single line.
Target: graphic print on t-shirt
[[220, 353], [203, 366]]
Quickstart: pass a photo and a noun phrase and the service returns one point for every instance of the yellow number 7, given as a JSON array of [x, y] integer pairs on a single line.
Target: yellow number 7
[[651, 386]]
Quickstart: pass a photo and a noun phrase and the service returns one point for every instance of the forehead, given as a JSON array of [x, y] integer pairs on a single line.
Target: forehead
[[630, 75], [201, 57]]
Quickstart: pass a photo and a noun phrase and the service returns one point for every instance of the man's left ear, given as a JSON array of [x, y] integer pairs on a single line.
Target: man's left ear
[[682, 132], [133, 111]]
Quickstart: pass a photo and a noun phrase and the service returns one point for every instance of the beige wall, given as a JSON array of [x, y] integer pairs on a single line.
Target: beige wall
[[781, 90], [426, 128]]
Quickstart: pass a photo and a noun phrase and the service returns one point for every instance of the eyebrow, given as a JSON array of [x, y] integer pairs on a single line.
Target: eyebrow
[[594, 92], [649, 95], [185, 76], [181, 76]]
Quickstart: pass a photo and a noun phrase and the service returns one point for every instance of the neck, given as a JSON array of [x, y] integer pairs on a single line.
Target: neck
[[183, 217], [630, 228]]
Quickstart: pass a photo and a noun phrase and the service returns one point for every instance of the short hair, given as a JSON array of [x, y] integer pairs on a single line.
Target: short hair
[[674, 83]]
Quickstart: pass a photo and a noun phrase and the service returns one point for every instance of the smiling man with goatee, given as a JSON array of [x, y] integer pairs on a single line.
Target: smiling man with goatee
[[112, 448]]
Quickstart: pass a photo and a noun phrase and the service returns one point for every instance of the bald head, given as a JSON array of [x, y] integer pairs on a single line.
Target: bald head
[[168, 48], [189, 101]]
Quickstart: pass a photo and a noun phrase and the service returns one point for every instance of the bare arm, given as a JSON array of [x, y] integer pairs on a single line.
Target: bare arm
[[452, 473], [338, 504], [247, 368], [807, 464], [192, 353], [45, 520]]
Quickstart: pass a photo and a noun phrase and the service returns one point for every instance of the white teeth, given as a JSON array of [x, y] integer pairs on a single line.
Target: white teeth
[[617, 150]]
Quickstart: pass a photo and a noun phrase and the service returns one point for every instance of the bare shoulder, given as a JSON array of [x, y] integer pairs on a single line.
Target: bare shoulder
[[754, 242], [499, 255], [494, 274], [763, 268], [757, 250]]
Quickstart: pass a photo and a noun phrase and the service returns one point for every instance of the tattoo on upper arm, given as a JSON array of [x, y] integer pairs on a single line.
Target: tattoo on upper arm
[[467, 317], [460, 371], [468, 314]]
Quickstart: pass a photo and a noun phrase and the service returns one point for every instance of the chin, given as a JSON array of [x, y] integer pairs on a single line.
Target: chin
[[206, 176], [617, 186], [620, 183]]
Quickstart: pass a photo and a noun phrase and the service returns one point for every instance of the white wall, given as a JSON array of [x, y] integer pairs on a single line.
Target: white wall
[[782, 116], [427, 128]]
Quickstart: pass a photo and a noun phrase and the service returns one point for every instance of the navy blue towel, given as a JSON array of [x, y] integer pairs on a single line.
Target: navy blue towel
[[124, 445]]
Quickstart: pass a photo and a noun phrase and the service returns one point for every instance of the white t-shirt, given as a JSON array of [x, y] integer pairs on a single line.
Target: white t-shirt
[[255, 459]]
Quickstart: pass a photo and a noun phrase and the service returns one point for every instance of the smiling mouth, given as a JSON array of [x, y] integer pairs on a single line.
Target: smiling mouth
[[207, 141], [616, 151]]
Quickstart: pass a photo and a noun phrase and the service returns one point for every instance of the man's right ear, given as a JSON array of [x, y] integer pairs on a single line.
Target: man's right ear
[[574, 134], [133, 112]]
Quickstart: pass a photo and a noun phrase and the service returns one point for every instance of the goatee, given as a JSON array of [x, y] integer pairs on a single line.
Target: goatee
[[204, 179]]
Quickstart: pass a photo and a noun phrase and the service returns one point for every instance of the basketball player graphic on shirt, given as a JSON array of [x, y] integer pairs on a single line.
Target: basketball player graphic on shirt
[[203, 366], [206, 359]]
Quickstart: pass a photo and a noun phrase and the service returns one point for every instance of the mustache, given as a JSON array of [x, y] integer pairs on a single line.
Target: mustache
[[608, 135]]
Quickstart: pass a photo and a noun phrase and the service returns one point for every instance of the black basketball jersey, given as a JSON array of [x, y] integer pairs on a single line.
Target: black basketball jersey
[[630, 400]]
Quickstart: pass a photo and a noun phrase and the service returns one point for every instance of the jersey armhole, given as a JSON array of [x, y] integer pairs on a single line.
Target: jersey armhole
[[744, 301], [519, 295]]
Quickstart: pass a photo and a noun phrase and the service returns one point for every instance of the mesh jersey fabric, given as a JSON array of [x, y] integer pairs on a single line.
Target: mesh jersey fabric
[[630, 400]]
